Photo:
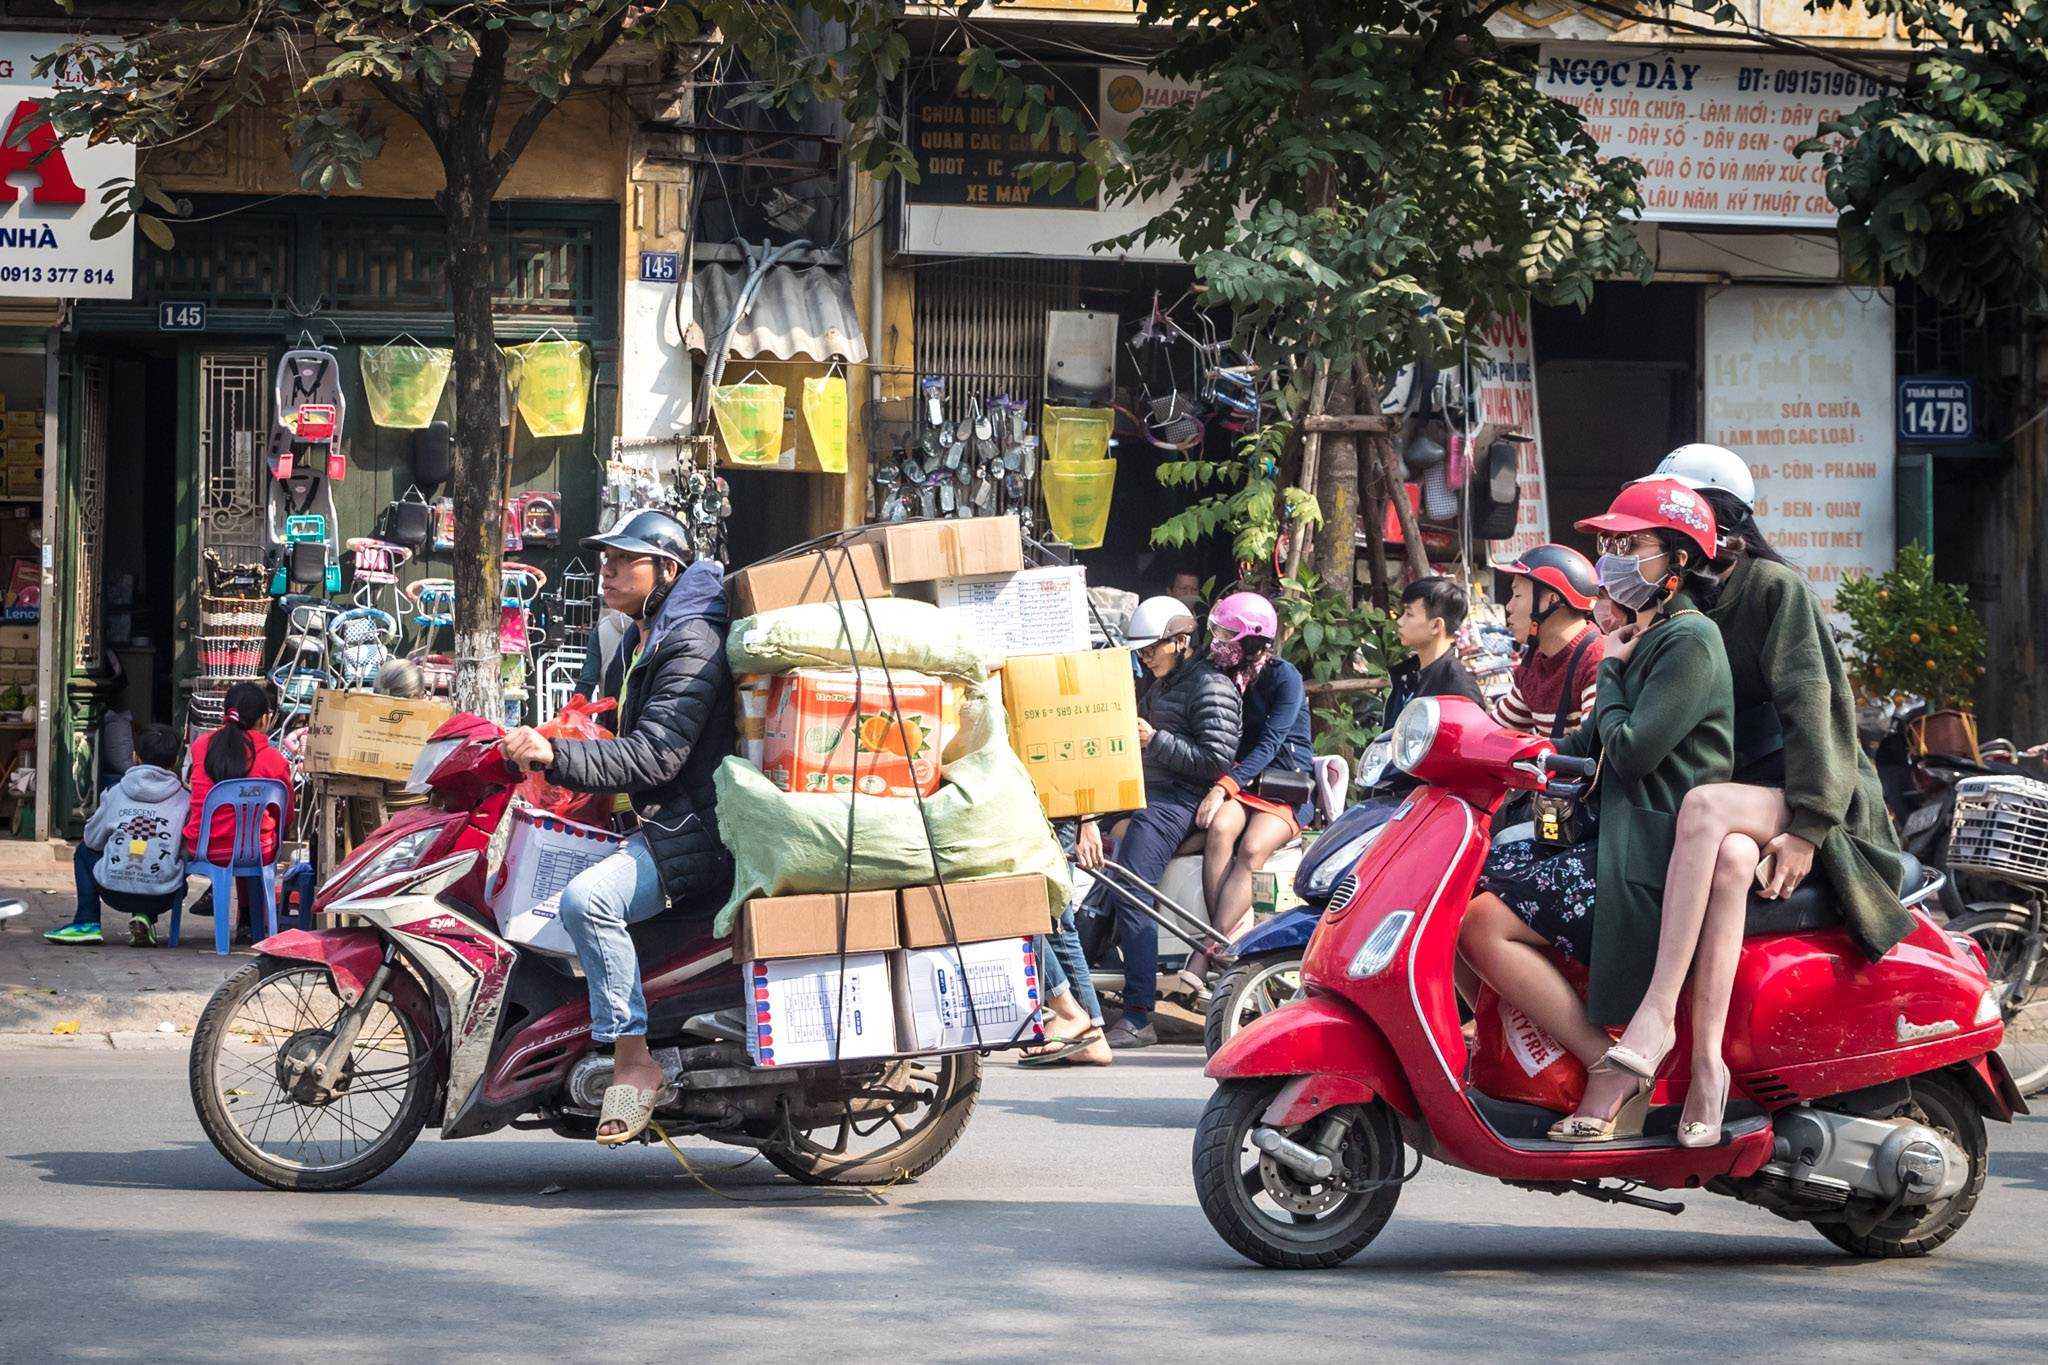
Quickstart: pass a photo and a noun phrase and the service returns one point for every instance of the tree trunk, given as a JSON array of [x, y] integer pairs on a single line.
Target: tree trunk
[[1372, 479], [478, 442], [1336, 490], [1311, 456], [1411, 532]]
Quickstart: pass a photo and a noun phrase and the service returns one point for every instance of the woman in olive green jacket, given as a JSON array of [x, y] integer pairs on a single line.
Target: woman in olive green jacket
[[1662, 724]]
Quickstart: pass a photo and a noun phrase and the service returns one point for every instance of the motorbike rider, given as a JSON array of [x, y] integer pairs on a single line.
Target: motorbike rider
[[1432, 610], [1189, 715], [1244, 828], [1662, 724], [675, 723], [1550, 608], [1804, 795]]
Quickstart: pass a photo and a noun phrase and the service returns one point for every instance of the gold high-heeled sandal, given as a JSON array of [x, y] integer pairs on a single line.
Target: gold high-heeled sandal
[[1698, 1134], [1625, 1122]]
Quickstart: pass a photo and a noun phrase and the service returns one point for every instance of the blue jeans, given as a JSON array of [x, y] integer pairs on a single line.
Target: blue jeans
[[596, 908], [1062, 966], [1146, 848], [83, 860]]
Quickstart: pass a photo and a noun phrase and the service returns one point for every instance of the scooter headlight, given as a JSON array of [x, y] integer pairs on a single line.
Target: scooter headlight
[[400, 855], [1988, 1011], [1380, 945], [1415, 732], [1372, 764]]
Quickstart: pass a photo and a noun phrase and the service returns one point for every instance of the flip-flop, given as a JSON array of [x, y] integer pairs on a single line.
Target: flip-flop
[[1065, 1052], [627, 1104]]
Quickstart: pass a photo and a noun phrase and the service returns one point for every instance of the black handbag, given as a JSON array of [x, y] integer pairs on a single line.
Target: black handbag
[[1284, 788], [1562, 821]]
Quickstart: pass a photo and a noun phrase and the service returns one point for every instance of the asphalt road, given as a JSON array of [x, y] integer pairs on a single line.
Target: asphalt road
[[1063, 1227]]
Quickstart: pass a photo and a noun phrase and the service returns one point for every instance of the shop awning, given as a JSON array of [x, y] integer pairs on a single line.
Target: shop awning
[[798, 313]]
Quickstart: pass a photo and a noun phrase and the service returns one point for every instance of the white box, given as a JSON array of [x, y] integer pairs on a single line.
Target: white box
[[543, 854], [1032, 611], [801, 1014], [932, 1005]]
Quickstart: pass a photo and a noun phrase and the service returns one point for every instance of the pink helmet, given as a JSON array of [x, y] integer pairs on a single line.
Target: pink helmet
[[1245, 614]]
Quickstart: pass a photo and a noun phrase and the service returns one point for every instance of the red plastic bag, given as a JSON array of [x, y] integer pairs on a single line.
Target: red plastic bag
[[576, 720], [1515, 1060]]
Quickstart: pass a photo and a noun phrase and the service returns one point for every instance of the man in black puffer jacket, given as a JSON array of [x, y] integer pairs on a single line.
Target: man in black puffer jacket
[[1189, 715], [675, 724]]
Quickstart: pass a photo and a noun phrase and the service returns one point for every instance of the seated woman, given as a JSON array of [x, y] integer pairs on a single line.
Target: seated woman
[[1244, 829], [1804, 795], [1662, 724], [239, 748]]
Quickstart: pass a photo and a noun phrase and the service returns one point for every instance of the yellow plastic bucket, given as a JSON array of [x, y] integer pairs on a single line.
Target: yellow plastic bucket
[[1077, 494], [824, 408], [749, 418], [551, 383], [1078, 433], [403, 384]]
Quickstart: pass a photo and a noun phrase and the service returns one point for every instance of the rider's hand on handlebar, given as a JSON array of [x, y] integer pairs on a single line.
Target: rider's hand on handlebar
[[1088, 847], [1791, 859], [528, 749]]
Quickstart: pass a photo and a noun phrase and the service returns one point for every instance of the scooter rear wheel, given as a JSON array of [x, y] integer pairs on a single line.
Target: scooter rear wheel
[[872, 1142], [1247, 991], [1271, 1215], [1941, 1104]]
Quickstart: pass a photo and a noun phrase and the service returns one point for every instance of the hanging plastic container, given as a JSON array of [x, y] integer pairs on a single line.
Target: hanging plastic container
[[824, 408], [1077, 494], [403, 382], [552, 386], [1078, 433], [749, 416]]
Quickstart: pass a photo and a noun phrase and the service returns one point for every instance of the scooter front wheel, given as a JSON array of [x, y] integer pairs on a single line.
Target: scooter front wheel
[[1272, 1213]]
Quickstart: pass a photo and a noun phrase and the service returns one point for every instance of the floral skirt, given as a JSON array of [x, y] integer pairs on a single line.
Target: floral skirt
[[1550, 890]]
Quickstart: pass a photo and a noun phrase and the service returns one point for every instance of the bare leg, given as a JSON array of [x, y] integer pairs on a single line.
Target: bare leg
[[1710, 814], [1511, 957], [1264, 835], [1713, 976], [1217, 851]]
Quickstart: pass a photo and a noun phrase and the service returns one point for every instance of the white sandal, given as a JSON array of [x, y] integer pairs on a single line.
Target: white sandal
[[627, 1104]]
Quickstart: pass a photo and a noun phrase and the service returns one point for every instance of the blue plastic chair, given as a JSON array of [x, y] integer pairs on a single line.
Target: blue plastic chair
[[295, 890], [250, 798]]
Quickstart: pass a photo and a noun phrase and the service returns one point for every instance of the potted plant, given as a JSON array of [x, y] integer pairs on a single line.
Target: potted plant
[[1910, 634]]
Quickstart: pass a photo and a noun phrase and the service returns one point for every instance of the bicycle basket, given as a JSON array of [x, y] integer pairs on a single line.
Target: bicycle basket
[[2001, 829]]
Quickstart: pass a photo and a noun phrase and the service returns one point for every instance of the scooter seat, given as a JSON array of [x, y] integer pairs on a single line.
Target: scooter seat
[[1813, 905]]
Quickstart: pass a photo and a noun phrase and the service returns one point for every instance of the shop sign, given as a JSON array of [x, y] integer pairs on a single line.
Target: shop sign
[[1504, 382], [50, 193], [1934, 411], [1799, 383], [1714, 130], [968, 153]]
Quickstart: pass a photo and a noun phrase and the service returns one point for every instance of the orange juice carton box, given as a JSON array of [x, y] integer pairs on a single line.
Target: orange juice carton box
[[869, 730]]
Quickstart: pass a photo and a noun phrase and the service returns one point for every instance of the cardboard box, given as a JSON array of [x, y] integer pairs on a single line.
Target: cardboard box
[[975, 995], [1074, 723], [844, 730], [543, 853], [23, 481], [24, 422], [817, 926], [976, 911], [1032, 611], [852, 570], [360, 734], [917, 551], [750, 714], [807, 1010]]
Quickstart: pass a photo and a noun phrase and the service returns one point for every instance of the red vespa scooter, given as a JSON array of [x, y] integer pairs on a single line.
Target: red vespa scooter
[[1867, 1084]]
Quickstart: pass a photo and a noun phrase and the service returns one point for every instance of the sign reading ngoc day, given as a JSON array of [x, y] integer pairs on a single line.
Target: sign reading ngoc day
[[1714, 130], [50, 192]]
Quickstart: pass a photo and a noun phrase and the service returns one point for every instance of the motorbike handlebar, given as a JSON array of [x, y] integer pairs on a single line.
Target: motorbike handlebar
[[1570, 767]]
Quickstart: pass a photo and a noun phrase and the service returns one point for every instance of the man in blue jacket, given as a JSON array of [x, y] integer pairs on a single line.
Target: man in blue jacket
[[675, 724]]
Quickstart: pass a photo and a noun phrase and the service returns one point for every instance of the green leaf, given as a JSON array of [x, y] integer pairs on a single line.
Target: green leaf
[[153, 228]]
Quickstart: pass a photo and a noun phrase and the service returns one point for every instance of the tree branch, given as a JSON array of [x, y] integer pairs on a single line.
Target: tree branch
[[486, 86], [399, 98], [535, 114]]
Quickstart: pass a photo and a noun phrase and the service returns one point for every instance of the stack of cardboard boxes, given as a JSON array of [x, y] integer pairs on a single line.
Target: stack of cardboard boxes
[[21, 459], [924, 969]]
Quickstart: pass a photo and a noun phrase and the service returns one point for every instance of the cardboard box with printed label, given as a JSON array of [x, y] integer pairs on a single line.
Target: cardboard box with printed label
[[841, 573], [1074, 724], [970, 996], [22, 449], [23, 481], [23, 422], [817, 925], [1032, 611], [841, 730], [821, 1009], [360, 734], [918, 551], [972, 911], [543, 853], [750, 714]]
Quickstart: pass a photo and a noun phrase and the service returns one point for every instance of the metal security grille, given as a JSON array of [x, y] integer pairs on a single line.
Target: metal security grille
[[90, 497], [234, 417], [980, 325], [1933, 338]]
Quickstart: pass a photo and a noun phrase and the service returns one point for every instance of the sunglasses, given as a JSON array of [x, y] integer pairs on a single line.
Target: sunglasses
[[1639, 543]]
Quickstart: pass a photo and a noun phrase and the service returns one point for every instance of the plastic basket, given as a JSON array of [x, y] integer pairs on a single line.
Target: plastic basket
[[1078, 433], [749, 420], [824, 409], [551, 380], [236, 616], [2001, 829], [1077, 494], [403, 384]]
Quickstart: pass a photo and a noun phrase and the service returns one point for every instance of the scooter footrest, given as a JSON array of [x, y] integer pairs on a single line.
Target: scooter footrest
[[1526, 1127]]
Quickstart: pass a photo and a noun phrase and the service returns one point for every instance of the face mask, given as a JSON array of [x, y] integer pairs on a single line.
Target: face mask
[[1226, 653], [1622, 577]]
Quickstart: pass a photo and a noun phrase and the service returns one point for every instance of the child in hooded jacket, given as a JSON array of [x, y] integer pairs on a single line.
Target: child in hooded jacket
[[140, 871]]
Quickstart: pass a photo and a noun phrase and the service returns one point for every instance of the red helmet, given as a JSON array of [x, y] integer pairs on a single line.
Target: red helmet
[[1658, 505], [1559, 567]]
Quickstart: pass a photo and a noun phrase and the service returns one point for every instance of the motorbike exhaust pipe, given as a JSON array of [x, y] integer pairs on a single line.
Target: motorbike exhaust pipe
[[1303, 1161]]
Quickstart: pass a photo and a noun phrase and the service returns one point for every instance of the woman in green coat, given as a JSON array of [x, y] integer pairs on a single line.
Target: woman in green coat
[[1662, 724], [1804, 796]]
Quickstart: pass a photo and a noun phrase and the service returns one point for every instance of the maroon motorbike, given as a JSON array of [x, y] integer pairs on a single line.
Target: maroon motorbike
[[315, 1067]]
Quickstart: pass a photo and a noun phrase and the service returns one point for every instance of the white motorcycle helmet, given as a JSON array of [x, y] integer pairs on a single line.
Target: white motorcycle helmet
[[1700, 466], [1155, 618]]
